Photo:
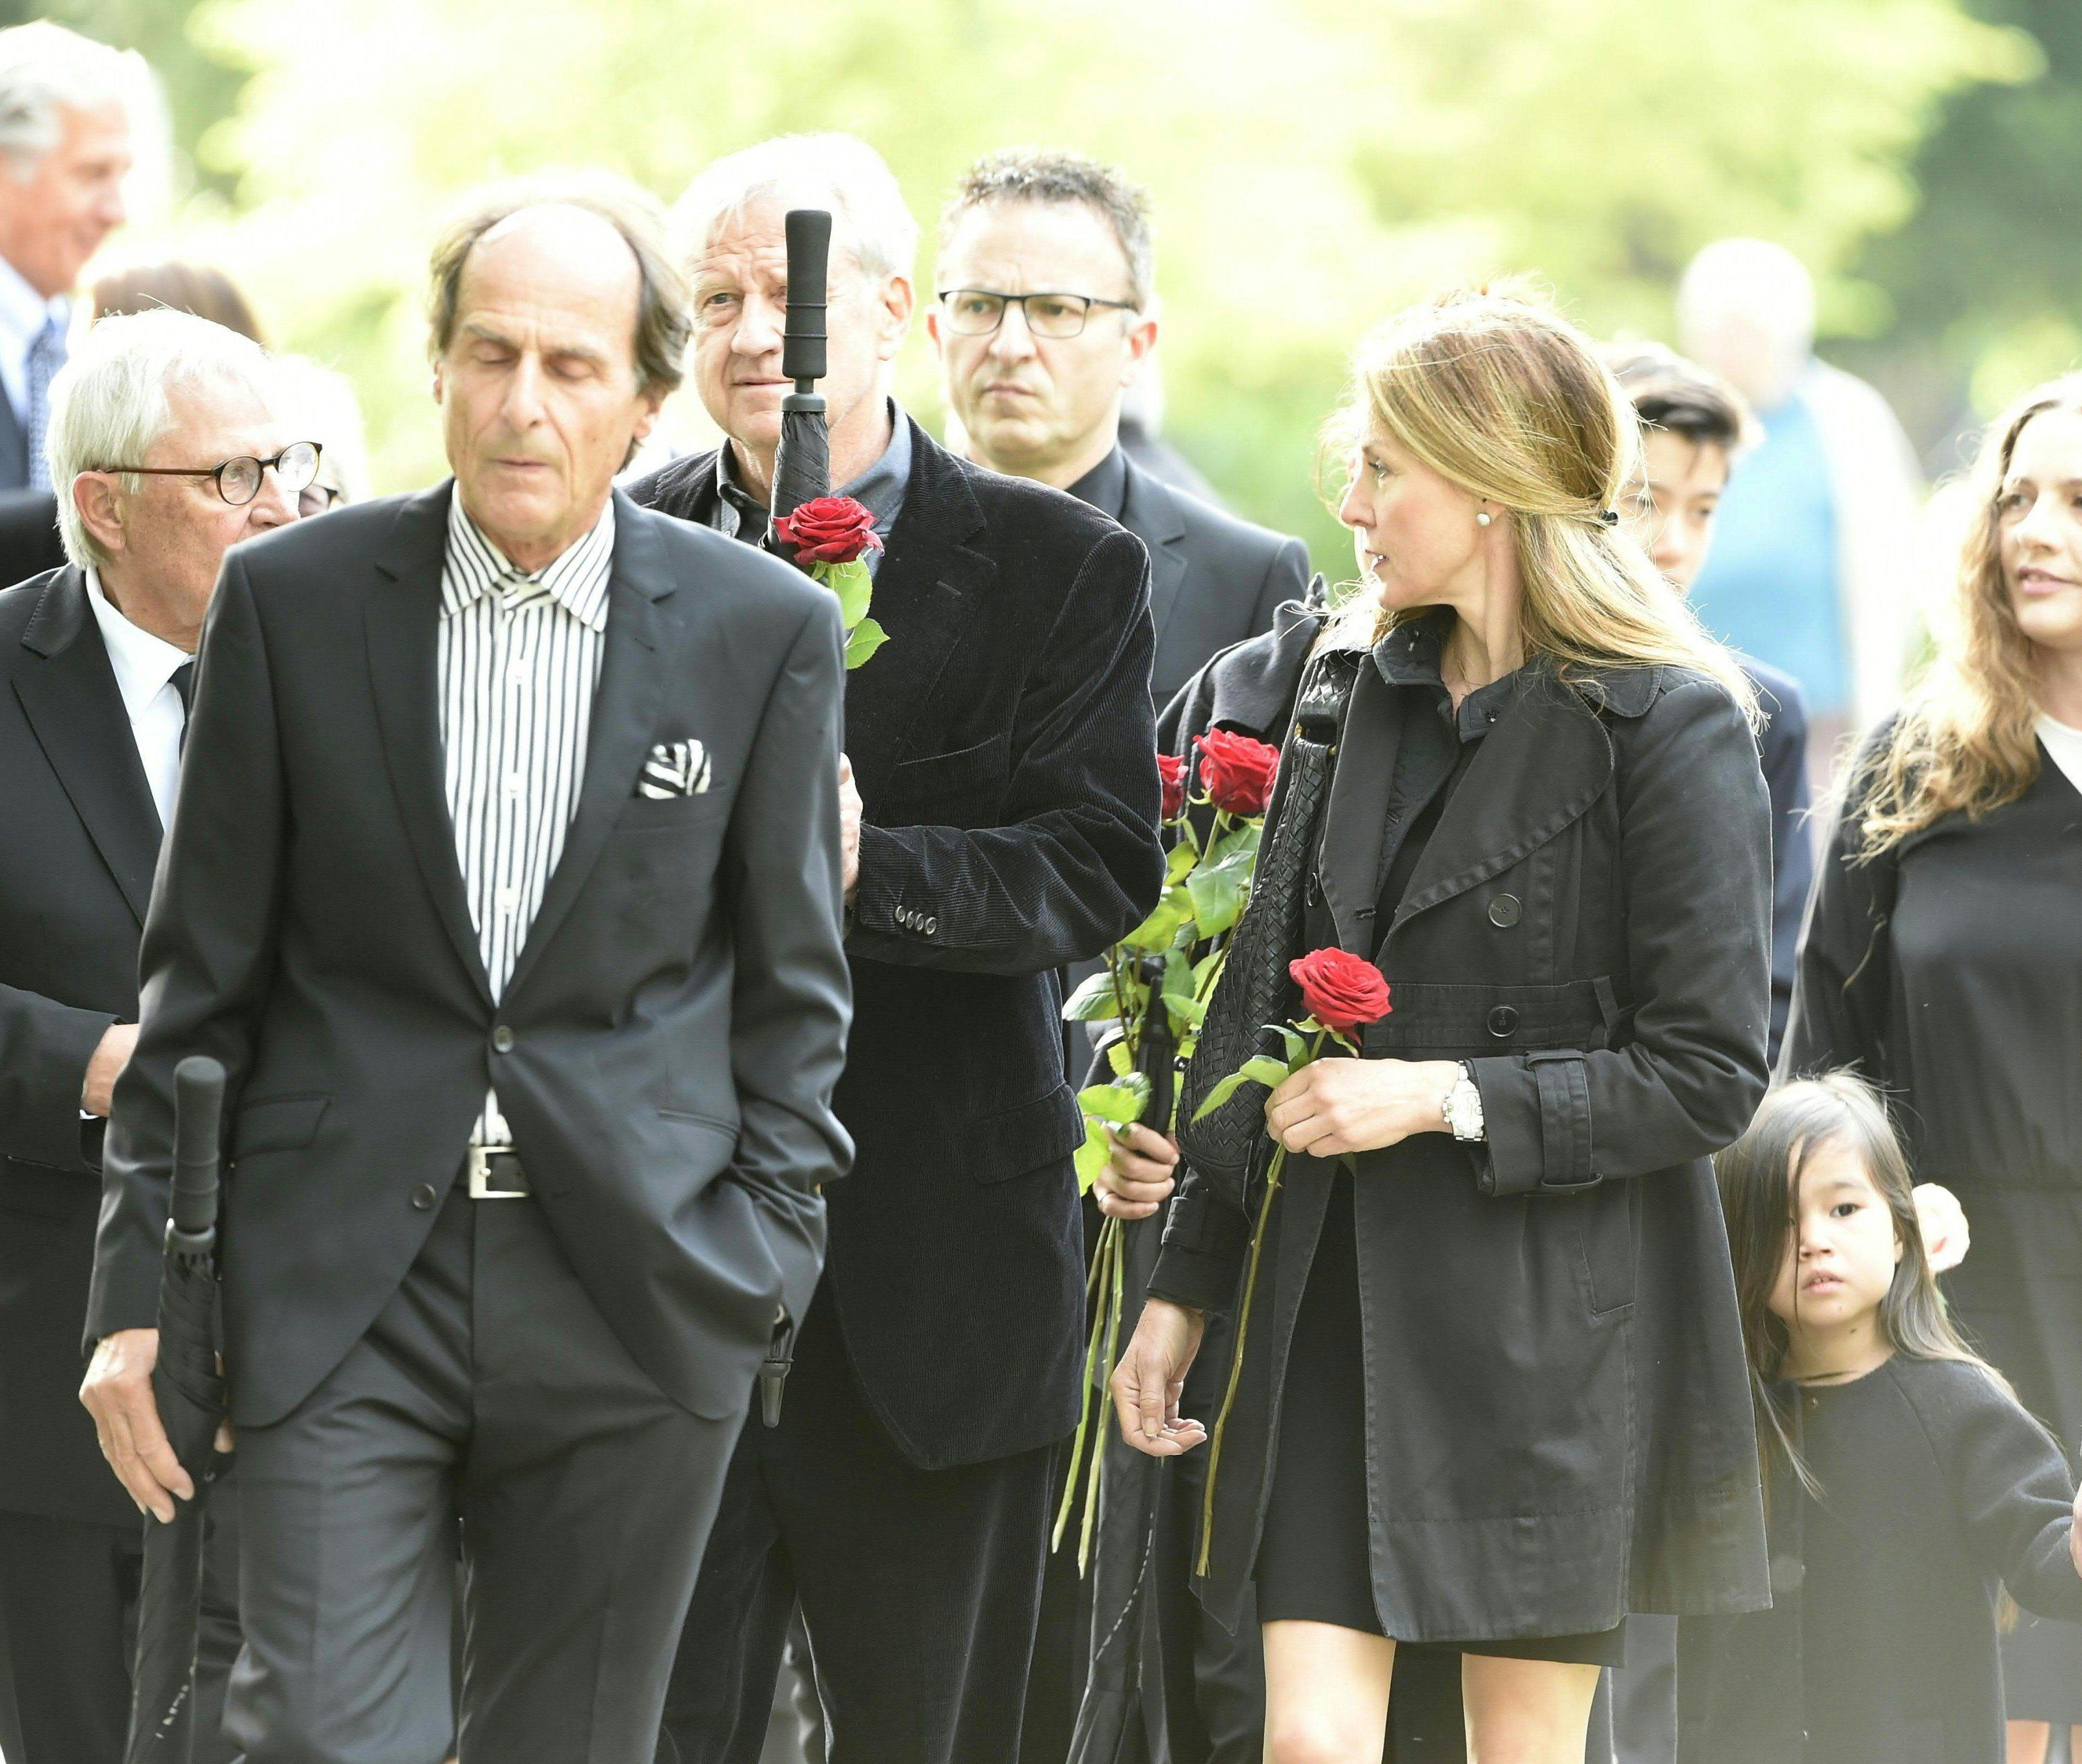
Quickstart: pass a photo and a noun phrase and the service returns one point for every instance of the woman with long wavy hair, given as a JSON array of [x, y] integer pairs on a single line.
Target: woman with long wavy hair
[[1493, 1394], [1943, 955]]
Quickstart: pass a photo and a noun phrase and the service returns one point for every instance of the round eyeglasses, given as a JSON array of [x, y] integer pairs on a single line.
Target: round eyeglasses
[[977, 312], [238, 480]]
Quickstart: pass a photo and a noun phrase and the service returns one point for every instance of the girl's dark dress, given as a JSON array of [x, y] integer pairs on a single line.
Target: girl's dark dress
[[1950, 971], [1495, 1394], [1880, 1647]]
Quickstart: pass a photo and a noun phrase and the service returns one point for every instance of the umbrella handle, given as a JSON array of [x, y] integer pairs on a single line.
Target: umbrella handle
[[803, 339], [198, 1118]]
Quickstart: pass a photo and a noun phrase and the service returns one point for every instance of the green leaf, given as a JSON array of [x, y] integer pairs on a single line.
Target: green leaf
[[1157, 931], [1219, 890], [1120, 1059], [1297, 1044], [1095, 1001], [867, 637], [1242, 843], [1205, 967], [1261, 1069], [1179, 865], [1178, 975], [1091, 1156], [1120, 1102], [1185, 1012], [854, 587]]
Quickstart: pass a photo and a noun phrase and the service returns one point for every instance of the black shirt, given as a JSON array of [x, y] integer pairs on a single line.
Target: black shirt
[[1105, 486]]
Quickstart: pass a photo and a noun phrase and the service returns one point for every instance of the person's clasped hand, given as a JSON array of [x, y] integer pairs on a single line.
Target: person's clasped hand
[[1138, 1177], [848, 828], [1334, 1106]]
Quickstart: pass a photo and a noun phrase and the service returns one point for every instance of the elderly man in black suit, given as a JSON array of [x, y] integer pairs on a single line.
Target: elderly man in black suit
[[505, 884], [99, 654], [1004, 749]]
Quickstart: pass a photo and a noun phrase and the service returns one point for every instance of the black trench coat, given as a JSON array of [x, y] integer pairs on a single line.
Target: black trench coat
[[1558, 1419]]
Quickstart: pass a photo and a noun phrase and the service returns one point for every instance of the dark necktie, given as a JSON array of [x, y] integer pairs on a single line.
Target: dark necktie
[[183, 681], [46, 355]]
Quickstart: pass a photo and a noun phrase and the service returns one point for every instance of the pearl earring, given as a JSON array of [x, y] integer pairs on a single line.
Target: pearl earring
[[1482, 518]]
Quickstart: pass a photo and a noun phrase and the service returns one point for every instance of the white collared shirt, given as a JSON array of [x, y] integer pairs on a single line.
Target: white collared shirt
[[24, 314], [144, 665], [519, 655], [2064, 745]]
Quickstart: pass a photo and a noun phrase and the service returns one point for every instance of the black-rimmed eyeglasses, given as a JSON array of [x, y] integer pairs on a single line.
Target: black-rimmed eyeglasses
[[238, 480], [977, 312]]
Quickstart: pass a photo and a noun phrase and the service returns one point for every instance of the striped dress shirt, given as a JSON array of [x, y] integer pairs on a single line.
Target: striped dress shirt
[[519, 658]]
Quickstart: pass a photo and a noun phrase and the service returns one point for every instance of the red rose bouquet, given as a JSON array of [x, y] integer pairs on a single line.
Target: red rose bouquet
[[1341, 994], [831, 537]]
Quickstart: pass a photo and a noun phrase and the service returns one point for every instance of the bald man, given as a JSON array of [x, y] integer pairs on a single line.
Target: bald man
[[504, 881]]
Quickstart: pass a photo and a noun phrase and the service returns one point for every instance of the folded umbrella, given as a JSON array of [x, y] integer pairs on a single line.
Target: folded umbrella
[[190, 1390], [802, 458]]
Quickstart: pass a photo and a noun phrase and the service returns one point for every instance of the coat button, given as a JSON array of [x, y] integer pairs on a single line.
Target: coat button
[[502, 1040], [932, 927], [1503, 1019], [1503, 911], [423, 1197]]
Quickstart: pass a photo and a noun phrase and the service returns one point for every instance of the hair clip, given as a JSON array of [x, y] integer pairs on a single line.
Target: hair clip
[[1609, 517]]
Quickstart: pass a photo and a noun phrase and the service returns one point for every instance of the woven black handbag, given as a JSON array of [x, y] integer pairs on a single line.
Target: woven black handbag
[[1254, 990]]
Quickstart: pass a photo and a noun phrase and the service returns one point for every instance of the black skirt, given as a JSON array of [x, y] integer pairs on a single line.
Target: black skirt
[[1314, 1560]]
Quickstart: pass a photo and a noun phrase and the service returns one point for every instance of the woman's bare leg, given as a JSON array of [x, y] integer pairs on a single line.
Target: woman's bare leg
[[1326, 1695], [1526, 1712]]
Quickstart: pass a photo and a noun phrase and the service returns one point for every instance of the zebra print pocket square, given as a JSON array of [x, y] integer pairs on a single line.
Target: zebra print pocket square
[[674, 769]]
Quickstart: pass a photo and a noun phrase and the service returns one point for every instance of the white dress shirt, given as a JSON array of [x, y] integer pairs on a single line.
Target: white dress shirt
[[143, 666], [519, 656], [24, 314], [2065, 744]]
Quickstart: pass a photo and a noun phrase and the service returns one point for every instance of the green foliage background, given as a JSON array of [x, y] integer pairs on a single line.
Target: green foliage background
[[1312, 165]]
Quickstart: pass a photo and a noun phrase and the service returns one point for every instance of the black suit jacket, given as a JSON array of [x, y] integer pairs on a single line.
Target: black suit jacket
[[677, 1018], [29, 543], [1005, 753], [1214, 581], [78, 835]]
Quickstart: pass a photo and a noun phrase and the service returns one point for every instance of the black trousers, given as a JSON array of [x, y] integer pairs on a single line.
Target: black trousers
[[489, 1386], [68, 1633], [920, 1589]]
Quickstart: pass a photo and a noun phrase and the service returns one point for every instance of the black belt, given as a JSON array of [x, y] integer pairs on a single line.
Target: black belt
[[495, 1174]]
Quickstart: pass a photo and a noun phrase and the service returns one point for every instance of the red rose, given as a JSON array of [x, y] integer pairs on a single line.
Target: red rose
[[1236, 772], [1341, 990], [1172, 770], [829, 529]]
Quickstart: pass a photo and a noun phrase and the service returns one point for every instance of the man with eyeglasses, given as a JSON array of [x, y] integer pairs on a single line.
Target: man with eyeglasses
[[1003, 747], [168, 444]]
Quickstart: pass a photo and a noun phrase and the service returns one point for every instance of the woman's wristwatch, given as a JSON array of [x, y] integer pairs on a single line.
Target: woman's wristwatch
[[1462, 1105]]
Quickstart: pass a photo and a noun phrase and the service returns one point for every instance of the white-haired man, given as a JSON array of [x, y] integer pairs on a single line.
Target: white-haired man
[[99, 658], [65, 136], [1814, 566], [1004, 746]]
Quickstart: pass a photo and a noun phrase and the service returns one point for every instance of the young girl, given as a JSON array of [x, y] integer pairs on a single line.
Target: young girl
[[1906, 1485]]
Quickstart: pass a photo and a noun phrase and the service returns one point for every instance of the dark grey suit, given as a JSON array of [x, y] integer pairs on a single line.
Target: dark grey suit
[[568, 1371]]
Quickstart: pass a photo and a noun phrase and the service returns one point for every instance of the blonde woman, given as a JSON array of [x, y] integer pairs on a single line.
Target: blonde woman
[[1943, 955], [1493, 1395]]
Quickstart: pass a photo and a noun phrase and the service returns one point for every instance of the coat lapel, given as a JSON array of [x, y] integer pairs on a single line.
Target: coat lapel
[[402, 621], [73, 702], [625, 705], [1547, 760], [1355, 819], [927, 589], [1151, 513]]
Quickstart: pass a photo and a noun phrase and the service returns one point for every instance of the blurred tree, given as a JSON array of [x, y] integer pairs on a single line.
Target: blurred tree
[[1312, 164], [1984, 276]]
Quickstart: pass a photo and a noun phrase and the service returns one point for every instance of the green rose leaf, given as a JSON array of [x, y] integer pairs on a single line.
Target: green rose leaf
[[1179, 865], [1091, 1156], [1120, 1059], [854, 587], [1185, 1012], [1157, 931], [1219, 890], [867, 637], [1178, 975], [1094, 1000], [1120, 1102], [1262, 1069], [1243, 843]]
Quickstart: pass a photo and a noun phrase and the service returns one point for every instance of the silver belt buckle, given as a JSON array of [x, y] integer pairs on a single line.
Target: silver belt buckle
[[480, 1176]]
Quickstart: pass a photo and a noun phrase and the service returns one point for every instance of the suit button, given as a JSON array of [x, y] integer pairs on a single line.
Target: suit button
[[502, 1040], [1503, 1019], [932, 926], [423, 1197], [1503, 911]]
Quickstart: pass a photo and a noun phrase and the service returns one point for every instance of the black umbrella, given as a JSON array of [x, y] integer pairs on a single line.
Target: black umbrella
[[803, 460], [189, 1391]]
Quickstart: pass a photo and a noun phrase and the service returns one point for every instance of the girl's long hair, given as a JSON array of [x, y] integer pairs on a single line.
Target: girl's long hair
[[1964, 740], [1501, 395], [1759, 1180]]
